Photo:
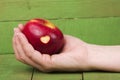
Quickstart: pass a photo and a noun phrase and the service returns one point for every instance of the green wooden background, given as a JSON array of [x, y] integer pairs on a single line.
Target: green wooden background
[[93, 21]]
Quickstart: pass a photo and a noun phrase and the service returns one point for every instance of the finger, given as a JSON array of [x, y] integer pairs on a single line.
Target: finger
[[23, 58], [27, 47], [14, 48], [23, 49], [43, 60], [17, 46], [14, 41], [19, 52], [21, 26], [18, 56]]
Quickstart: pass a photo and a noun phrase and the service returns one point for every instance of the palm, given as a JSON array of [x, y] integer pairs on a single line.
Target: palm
[[73, 54]]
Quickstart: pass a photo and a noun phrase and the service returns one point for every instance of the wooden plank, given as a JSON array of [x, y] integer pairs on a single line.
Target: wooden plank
[[75, 8], [26, 9], [13, 9], [97, 30], [6, 32], [101, 76], [56, 76], [10, 69]]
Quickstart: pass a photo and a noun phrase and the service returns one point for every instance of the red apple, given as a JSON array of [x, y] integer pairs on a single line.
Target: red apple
[[44, 36]]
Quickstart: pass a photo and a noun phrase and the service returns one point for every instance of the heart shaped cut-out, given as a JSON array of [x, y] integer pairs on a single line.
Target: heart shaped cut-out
[[45, 39]]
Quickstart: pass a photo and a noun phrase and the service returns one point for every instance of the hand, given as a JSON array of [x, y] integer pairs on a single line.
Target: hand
[[73, 57]]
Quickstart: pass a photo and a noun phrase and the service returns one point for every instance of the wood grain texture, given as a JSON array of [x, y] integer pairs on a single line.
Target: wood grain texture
[[6, 33], [10, 69], [56, 76], [52, 9], [101, 76]]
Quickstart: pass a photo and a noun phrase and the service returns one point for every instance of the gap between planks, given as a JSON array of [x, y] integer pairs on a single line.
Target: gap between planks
[[63, 18], [33, 70]]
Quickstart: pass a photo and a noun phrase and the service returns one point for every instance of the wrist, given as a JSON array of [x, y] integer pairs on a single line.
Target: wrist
[[103, 57], [93, 56], [88, 61]]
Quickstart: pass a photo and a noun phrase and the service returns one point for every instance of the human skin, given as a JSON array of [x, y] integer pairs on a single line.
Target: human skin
[[76, 55]]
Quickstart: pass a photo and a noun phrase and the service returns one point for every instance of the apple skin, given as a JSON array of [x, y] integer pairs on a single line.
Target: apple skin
[[44, 36]]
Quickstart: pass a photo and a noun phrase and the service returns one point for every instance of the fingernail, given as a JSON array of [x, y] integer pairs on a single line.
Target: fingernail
[[15, 29], [15, 32], [20, 25]]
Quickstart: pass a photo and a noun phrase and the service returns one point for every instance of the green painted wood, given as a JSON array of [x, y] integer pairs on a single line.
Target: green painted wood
[[101, 76], [103, 31], [56, 76], [13, 9], [26, 9], [10, 69], [75, 8], [6, 33]]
